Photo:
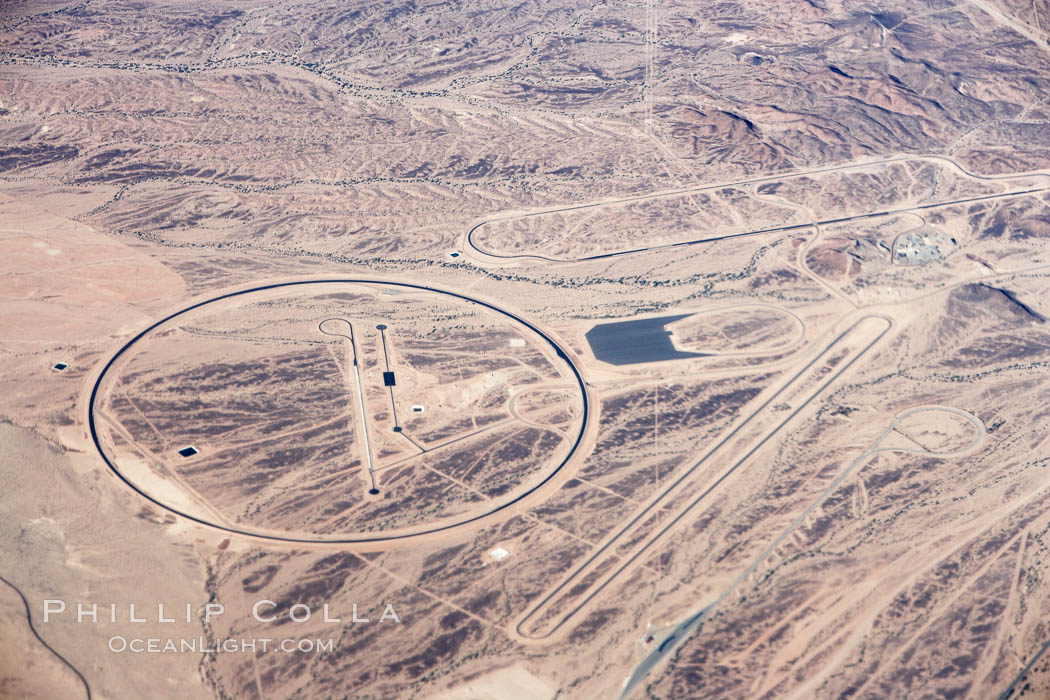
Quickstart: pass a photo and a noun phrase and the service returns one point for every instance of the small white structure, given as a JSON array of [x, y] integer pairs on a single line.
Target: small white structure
[[922, 247], [498, 553], [517, 342]]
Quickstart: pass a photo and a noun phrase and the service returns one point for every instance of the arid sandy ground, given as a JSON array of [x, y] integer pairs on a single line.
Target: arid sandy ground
[[358, 260]]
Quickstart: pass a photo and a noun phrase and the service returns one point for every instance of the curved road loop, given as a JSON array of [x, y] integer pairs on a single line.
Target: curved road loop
[[674, 488], [486, 254], [29, 620], [478, 520], [522, 628]]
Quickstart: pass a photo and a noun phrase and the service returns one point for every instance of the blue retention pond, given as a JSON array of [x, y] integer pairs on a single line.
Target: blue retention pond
[[635, 342]]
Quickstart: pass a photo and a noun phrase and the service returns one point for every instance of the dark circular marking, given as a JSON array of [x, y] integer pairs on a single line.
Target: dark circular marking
[[93, 427]]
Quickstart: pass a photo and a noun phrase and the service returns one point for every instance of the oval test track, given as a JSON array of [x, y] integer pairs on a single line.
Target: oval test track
[[585, 416]]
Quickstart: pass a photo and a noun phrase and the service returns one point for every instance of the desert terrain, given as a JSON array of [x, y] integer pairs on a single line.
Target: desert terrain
[[527, 350]]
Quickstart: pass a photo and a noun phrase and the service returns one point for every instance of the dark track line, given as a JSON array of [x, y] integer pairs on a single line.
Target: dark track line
[[386, 360], [29, 620], [439, 445], [672, 193], [1008, 693], [696, 501], [729, 236], [96, 439], [360, 396], [673, 486], [422, 450], [386, 356], [694, 623]]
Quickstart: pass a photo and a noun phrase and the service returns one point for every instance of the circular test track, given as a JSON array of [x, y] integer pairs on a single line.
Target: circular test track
[[393, 538]]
